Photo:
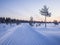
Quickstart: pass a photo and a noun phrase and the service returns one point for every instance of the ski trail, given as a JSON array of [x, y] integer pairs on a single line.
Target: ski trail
[[8, 33]]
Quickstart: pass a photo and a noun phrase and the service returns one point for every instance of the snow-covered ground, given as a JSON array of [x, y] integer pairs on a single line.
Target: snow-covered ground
[[24, 34]]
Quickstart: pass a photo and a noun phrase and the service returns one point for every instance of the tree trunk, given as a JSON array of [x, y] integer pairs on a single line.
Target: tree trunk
[[45, 21]]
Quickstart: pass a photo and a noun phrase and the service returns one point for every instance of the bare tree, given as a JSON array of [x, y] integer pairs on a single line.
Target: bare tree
[[44, 11]]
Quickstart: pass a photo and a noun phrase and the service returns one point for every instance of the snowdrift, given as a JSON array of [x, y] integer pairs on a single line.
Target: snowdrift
[[26, 35]]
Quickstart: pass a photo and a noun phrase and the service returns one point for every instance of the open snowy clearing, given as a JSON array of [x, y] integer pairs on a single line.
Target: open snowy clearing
[[24, 34]]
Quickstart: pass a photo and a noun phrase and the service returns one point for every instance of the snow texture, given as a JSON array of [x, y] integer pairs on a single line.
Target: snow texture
[[24, 34]]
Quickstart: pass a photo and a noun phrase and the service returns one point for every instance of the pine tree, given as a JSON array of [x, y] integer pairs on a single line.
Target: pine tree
[[44, 11]]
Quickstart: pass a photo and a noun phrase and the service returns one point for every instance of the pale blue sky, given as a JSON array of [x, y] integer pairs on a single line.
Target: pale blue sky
[[23, 9]]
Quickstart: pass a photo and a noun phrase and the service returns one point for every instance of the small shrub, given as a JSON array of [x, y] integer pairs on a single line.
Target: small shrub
[[55, 22]]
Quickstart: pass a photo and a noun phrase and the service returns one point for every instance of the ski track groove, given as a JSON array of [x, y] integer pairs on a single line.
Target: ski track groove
[[7, 34]]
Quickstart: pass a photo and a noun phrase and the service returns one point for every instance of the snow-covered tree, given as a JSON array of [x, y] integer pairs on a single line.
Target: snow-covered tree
[[55, 22], [31, 20], [44, 11]]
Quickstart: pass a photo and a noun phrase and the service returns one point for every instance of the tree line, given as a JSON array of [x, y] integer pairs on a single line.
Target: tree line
[[8, 20]]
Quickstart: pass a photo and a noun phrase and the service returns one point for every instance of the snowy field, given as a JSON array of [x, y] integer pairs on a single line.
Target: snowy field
[[24, 34]]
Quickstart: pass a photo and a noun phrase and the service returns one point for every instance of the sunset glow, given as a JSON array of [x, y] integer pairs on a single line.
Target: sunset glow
[[23, 9]]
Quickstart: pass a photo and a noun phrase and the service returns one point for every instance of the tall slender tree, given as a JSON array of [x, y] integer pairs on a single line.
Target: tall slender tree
[[44, 11]]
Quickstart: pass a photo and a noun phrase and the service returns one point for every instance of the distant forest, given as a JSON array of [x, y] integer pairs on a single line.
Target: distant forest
[[8, 20]]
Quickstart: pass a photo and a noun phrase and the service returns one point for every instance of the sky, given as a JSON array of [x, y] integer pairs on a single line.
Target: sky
[[24, 9]]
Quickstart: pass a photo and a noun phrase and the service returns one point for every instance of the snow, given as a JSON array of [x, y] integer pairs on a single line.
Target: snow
[[4, 28], [24, 34]]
